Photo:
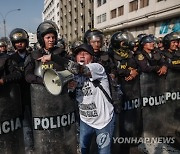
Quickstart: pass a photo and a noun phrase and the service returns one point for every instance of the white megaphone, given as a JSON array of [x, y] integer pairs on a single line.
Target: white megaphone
[[54, 81]]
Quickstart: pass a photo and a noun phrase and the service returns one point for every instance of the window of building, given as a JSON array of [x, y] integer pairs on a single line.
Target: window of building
[[90, 13], [57, 5], [159, 0], [113, 13], [104, 17], [121, 10], [133, 6], [99, 19], [144, 3], [100, 2], [103, 1]]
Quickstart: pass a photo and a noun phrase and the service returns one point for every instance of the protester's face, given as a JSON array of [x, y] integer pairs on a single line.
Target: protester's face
[[83, 57], [20, 46], [173, 45], [96, 43], [49, 40], [149, 46]]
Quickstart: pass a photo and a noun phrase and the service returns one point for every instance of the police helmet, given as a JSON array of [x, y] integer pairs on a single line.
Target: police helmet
[[146, 39], [37, 46], [75, 44], [45, 28], [126, 37], [3, 43], [154, 38], [170, 37], [159, 39], [61, 43], [18, 35], [93, 34]]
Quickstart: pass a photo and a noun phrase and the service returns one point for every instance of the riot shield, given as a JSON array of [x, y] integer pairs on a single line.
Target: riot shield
[[131, 116], [154, 115], [172, 92], [153, 101], [54, 126], [11, 131]]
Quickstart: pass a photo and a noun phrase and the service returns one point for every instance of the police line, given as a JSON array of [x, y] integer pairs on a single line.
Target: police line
[[11, 125], [151, 101], [53, 122]]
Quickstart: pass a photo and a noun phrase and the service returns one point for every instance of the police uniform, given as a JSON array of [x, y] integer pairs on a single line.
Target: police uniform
[[35, 69], [104, 59], [149, 62], [125, 62], [173, 59], [56, 136], [11, 107], [8, 70]]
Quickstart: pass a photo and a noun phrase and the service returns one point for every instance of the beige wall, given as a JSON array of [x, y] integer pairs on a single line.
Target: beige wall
[[142, 20]]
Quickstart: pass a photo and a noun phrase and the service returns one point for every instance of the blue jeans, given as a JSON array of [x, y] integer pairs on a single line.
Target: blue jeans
[[103, 137]]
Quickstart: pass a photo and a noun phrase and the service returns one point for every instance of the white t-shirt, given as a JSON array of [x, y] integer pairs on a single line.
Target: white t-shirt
[[94, 108]]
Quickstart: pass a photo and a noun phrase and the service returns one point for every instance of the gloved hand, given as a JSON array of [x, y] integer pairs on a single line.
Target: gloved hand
[[73, 67]]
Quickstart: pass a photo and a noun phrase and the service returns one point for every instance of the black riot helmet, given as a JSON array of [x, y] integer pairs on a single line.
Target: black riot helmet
[[93, 34], [146, 39], [159, 39], [140, 36], [18, 35], [74, 45], [3, 43], [37, 46], [61, 43], [170, 37], [45, 28], [126, 37]]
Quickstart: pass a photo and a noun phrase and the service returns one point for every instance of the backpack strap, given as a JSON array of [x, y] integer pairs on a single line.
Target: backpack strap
[[96, 83]]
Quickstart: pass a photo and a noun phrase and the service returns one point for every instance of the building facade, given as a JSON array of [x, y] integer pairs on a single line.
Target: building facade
[[32, 39], [73, 17], [157, 17]]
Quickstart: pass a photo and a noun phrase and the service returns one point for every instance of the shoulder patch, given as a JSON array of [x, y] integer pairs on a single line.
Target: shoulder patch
[[140, 57]]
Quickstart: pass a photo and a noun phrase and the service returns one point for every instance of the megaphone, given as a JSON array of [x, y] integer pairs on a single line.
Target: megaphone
[[54, 81]]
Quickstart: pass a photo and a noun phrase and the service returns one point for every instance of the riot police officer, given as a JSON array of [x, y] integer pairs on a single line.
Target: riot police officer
[[95, 38], [3, 58], [172, 84], [148, 59], [127, 74], [20, 41], [47, 37], [54, 138], [171, 53], [11, 106], [123, 57], [4, 48], [7, 72]]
